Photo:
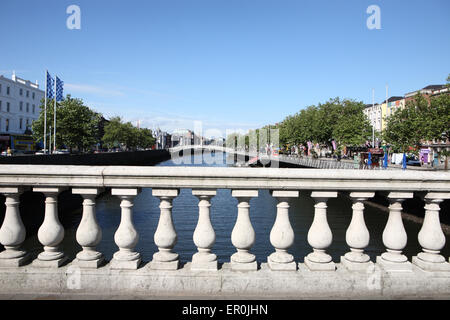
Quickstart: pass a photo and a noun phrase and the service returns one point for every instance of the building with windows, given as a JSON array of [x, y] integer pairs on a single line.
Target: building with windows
[[428, 92], [374, 114], [163, 139], [388, 108], [19, 104]]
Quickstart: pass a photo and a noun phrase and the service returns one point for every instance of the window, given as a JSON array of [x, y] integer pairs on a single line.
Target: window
[[0, 88], [34, 107], [28, 107], [21, 105], [0, 105], [7, 124], [32, 95], [20, 123], [7, 107], [28, 93], [27, 123], [21, 92], [7, 91]]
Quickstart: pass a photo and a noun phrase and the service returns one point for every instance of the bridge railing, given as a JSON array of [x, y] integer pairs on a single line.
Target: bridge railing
[[284, 184]]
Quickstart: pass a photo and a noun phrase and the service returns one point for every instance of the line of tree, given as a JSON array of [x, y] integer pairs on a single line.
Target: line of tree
[[119, 133], [79, 127], [340, 120]]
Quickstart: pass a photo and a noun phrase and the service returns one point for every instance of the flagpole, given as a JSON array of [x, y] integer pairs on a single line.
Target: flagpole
[[374, 120], [50, 139], [45, 113], [54, 121]]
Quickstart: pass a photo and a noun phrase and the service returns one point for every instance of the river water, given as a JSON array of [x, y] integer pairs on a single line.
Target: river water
[[223, 217]]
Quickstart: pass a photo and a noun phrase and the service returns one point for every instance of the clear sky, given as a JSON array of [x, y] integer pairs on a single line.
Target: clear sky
[[228, 63]]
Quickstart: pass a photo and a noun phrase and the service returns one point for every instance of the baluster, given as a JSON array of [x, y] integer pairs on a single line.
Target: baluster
[[88, 233], [126, 236], [282, 234], [394, 236], [357, 235], [165, 236], [51, 232], [204, 235], [243, 235], [12, 232], [319, 235], [431, 237]]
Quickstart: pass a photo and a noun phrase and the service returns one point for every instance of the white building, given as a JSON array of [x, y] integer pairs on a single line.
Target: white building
[[374, 114], [19, 104]]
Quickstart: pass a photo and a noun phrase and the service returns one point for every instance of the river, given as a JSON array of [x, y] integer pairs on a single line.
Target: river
[[223, 217]]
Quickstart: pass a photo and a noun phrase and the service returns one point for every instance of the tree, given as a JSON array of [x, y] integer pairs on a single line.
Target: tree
[[341, 120], [145, 138], [76, 124], [420, 120], [352, 127], [118, 133]]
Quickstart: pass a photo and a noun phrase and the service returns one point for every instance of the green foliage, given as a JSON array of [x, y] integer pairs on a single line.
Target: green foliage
[[419, 120], [118, 133], [343, 121], [76, 124]]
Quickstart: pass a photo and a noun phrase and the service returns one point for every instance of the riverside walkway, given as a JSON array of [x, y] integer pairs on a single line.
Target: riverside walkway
[[355, 275]]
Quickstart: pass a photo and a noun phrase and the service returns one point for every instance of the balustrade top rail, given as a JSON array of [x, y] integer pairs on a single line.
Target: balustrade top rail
[[227, 178]]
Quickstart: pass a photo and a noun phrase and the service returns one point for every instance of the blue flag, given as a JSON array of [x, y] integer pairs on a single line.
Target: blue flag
[[404, 162], [50, 83], [385, 163], [59, 89]]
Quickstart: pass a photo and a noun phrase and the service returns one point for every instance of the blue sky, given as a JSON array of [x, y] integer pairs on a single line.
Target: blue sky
[[232, 64]]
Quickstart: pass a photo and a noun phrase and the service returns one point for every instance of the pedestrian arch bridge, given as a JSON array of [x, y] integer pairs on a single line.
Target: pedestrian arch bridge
[[355, 275]]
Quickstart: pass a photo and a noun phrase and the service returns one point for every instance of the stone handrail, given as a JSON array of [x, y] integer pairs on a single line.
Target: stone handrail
[[284, 184]]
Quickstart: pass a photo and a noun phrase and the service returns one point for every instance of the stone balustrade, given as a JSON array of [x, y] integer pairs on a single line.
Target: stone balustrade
[[284, 185]]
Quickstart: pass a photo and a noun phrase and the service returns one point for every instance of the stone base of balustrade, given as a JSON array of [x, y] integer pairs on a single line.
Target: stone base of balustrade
[[88, 263], [49, 263], [29, 282], [163, 265], [125, 264], [317, 266], [205, 266], [389, 266], [239, 266], [277, 266], [431, 266], [15, 262], [357, 266]]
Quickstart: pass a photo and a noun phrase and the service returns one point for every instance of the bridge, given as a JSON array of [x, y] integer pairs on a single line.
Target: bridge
[[247, 157], [355, 275]]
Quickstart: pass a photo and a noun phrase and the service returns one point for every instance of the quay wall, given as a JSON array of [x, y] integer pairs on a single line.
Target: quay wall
[[127, 158]]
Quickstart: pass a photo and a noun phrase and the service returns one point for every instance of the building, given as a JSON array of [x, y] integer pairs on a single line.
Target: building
[[163, 139], [374, 114], [19, 107], [428, 92], [19, 104], [387, 109]]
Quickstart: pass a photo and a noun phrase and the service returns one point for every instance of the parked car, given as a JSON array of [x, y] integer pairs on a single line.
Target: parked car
[[62, 151], [413, 161], [40, 152]]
